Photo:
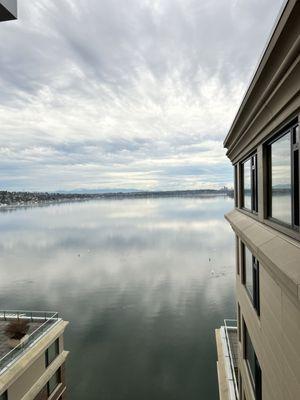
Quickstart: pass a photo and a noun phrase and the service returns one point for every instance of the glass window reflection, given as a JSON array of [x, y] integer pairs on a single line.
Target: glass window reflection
[[52, 352], [248, 271], [250, 355], [253, 364], [53, 382], [247, 184], [281, 179]]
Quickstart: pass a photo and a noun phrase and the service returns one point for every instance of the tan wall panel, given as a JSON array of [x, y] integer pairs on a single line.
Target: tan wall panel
[[291, 335], [291, 386], [275, 337], [18, 389]]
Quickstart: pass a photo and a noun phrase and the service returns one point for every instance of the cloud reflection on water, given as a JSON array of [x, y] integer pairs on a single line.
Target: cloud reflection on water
[[135, 281]]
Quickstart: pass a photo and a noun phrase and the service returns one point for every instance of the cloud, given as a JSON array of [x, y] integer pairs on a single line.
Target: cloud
[[135, 94]]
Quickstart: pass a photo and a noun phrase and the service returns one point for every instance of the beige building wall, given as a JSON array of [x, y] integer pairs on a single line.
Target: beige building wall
[[21, 386], [275, 337]]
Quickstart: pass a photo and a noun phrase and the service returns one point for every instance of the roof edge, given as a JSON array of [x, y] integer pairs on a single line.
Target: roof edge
[[260, 65]]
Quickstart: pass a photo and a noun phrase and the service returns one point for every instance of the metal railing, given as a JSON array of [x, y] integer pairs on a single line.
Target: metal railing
[[46, 318], [231, 324]]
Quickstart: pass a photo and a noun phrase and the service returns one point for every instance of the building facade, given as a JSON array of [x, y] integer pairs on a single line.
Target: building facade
[[263, 362], [34, 369]]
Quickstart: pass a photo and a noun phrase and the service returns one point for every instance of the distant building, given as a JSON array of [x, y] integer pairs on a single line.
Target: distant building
[[260, 357], [34, 369], [8, 10]]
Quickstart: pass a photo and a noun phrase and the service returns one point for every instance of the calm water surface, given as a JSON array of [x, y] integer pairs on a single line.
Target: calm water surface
[[143, 283]]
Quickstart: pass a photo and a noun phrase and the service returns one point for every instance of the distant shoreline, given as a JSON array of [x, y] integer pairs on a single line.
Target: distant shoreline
[[15, 199]]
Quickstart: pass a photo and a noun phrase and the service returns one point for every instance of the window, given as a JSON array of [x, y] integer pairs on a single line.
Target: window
[[250, 277], [235, 186], [52, 352], [239, 322], [3, 396], [249, 184], [53, 382], [237, 245], [283, 152], [252, 364]]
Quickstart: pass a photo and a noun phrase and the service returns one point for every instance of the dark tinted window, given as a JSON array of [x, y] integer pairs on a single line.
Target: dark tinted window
[[248, 271], [253, 364], [52, 352], [53, 382], [250, 277], [237, 245], [235, 186], [239, 322], [249, 355]]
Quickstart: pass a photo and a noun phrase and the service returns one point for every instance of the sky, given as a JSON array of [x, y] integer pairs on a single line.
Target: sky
[[125, 94]]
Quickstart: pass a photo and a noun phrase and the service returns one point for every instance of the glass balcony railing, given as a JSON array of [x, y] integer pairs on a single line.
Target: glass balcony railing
[[39, 322]]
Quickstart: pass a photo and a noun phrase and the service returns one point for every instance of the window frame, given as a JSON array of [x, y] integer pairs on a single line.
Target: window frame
[[239, 316], [4, 396], [237, 254], [58, 374], [47, 358], [255, 299], [256, 380], [236, 189], [293, 130], [253, 183]]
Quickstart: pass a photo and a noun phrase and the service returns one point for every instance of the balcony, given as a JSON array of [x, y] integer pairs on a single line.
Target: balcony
[[227, 365], [40, 322]]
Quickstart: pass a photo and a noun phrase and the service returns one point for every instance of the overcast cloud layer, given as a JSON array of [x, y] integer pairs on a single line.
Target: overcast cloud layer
[[125, 93]]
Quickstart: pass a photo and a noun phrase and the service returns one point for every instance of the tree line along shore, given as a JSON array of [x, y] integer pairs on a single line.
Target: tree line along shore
[[8, 198]]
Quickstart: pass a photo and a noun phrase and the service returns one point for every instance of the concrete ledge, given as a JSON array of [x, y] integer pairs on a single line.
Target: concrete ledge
[[50, 371], [277, 252]]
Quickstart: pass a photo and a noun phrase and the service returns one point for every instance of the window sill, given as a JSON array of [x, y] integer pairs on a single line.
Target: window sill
[[57, 392], [252, 214], [281, 227]]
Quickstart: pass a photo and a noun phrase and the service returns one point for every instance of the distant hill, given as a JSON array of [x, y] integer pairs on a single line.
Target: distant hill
[[97, 191], [27, 198]]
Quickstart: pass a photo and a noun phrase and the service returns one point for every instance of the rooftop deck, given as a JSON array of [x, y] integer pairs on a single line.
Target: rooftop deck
[[39, 324]]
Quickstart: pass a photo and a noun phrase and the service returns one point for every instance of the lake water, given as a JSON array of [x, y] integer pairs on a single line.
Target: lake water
[[144, 283]]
